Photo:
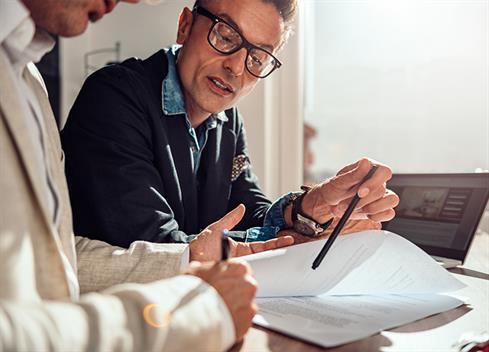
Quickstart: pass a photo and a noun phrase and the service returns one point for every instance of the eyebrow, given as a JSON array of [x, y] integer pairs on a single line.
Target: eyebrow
[[235, 25]]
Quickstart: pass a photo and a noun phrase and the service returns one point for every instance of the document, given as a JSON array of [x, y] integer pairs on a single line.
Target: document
[[368, 282]]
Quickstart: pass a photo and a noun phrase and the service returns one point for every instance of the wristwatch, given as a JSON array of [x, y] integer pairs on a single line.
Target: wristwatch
[[301, 222]]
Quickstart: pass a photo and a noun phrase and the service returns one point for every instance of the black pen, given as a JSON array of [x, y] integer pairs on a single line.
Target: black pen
[[224, 245], [341, 223]]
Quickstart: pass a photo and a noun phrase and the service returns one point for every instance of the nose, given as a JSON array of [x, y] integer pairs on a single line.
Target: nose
[[235, 63]]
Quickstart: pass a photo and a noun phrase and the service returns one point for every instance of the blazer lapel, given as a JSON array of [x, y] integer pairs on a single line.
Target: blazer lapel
[[180, 151], [66, 240], [12, 108]]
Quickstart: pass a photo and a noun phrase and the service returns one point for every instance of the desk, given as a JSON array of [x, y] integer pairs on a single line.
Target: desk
[[435, 333]]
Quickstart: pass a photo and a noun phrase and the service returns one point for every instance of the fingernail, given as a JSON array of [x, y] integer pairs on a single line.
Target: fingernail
[[363, 192]]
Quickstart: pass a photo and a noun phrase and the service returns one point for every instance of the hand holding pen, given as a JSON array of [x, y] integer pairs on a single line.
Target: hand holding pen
[[332, 197], [342, 222]]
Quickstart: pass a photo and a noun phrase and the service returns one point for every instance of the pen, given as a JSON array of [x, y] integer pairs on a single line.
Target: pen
[[224, 245], [341, 223]]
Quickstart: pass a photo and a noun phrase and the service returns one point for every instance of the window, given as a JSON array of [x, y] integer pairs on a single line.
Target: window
[[403, 82]]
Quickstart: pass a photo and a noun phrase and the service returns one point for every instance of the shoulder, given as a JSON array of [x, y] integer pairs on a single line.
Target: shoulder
[[132, 74], [119, 94]]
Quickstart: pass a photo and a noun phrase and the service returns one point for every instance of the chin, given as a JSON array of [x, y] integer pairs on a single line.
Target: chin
[[73, 28], [214, 109], [217, 106]]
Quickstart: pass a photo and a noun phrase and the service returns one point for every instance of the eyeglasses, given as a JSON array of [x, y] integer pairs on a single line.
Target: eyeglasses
[[227, 40]]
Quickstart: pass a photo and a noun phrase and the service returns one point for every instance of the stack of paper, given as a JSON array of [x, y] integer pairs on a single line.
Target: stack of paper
[[368, 282]]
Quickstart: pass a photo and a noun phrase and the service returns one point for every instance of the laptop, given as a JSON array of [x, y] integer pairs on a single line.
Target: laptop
[[440, 213]]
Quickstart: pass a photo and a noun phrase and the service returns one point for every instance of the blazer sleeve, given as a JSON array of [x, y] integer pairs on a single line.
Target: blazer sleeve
[[245, 189], [177, 314], [115, 188], [101, 265]]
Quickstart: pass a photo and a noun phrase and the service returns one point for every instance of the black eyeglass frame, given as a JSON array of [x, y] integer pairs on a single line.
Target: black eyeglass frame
[[244, 43]]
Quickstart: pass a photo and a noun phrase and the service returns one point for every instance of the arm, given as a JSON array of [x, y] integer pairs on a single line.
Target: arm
[[114, 321], [101, 265]]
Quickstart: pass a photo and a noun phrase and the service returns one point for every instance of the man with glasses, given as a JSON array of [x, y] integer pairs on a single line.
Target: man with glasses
[[167, 148]]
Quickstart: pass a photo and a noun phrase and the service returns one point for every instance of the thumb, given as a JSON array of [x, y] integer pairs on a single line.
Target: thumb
[[229, 220]]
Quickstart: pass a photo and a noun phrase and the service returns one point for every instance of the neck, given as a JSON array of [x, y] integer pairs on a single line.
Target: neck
[[195, 114]]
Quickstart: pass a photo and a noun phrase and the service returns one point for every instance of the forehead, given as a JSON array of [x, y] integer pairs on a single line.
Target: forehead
[[259, 21]]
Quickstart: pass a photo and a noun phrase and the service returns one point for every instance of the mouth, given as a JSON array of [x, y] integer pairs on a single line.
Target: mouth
[[220, 87]]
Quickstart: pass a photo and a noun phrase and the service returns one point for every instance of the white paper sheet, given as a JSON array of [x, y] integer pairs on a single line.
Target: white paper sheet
[[334, 320], [367, 282], [369, 262]]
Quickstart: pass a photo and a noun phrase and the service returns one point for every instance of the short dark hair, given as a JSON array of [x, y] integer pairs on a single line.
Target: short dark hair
[[286, 8]]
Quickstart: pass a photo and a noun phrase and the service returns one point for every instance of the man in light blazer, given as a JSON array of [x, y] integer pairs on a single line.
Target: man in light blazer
[[43, 267]]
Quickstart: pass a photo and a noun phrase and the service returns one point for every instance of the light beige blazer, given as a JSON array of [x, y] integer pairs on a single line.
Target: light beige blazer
[[36, 312]]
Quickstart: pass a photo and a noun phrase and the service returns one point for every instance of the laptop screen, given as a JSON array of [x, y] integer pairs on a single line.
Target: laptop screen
[[439, 212]]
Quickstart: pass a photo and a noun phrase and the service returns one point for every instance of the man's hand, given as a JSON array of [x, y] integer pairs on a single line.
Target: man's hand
[[332, 197], [237, 288], [351, 226], [238, 249], [207, 245]]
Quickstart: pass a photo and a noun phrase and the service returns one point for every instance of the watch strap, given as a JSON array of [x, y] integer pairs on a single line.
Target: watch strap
[[296, 206]]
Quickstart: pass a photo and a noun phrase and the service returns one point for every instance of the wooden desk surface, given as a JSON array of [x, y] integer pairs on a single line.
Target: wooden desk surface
[[436, 333]]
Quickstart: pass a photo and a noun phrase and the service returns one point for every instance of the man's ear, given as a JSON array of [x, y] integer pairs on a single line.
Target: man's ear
[[184, 25]]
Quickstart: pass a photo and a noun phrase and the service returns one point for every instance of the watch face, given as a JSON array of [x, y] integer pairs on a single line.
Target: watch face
[[304, 228]]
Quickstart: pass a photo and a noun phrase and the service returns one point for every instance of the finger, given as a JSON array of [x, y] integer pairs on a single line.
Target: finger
[[383, 216], [347, 168], [360, 225], [380, 177], [272, 244], [389, 200], [253, 284], [285, 241], [240, 249], [373, 196], [352, 178], [341, 207], [192, 268], [237, 268], [297, 238], [229, 220], [256, 247], [366, 161]]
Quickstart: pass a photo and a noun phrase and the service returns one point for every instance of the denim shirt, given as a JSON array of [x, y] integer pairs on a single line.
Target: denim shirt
[[173, 105]]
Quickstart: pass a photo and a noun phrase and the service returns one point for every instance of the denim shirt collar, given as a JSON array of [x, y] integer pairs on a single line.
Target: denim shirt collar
[[173, 102]]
